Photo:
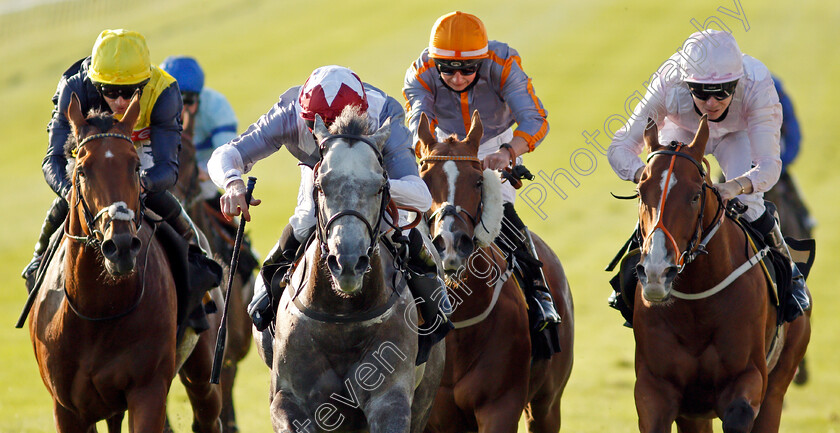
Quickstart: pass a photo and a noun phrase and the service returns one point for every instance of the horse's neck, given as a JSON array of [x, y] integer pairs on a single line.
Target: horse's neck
[[725, 254], [475, 283], [320, 295]]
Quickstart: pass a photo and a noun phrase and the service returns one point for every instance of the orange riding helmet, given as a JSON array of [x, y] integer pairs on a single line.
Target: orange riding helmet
[[458, 36]]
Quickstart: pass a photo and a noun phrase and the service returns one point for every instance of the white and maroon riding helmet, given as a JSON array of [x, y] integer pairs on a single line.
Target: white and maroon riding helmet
[[328, 90]]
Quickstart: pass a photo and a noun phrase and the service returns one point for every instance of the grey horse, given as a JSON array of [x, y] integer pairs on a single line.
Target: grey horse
[[344, 349]]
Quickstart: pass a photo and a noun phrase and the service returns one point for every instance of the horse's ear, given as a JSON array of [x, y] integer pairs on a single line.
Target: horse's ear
[[702, 135], [426, 136], [381, 135], [132, 112], [320, 129], [476, 130], [74, 114], [651, 135]]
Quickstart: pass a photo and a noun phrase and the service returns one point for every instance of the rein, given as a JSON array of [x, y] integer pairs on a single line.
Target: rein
[[701, 234]]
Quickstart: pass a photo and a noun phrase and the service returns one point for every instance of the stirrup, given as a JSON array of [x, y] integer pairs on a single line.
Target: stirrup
[[32, 266], [546, 313]]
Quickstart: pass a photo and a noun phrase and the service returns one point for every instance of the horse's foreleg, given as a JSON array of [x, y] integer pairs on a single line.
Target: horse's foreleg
[[390, 412], [147, 407], [657, 402], [68, 422], [740, 402], [114, 423], [287, 416], [501, 415]]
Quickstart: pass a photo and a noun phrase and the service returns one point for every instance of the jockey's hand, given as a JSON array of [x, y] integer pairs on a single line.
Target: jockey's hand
[[497, 160], [734, 187], [233, 201]]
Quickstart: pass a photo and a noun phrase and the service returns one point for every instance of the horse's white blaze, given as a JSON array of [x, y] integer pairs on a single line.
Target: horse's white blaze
[[656, 263], [662, 186], [451, 170], [449, 255], [108, 154]]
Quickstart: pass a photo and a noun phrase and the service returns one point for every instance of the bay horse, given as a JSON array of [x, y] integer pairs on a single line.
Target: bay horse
[[344, 352], [212, 224], [490, 377], [721, 360], [103, 325]]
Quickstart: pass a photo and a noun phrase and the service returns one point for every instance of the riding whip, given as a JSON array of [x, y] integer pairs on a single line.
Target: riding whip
[[221, 338]]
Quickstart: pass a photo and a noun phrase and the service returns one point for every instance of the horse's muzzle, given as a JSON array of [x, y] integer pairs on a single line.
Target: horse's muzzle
[[454, 249], [120, 252], [348, 270], [657, 286]]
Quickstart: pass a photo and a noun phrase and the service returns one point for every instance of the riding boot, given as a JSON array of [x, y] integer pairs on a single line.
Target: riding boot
[[55, 218], [280, 258], [540, 301], [799, 291]]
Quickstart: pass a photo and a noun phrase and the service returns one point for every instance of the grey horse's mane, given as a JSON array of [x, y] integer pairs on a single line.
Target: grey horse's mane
[[352, 121]]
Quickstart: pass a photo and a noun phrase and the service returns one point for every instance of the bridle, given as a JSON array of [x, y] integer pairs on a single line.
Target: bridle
[[701, 236], [323, 228], [117, 211], [455, 210]]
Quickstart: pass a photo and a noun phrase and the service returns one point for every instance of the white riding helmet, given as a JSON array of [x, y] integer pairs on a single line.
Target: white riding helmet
[[711, 57]]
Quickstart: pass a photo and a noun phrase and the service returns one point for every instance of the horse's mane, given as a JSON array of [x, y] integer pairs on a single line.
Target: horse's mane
[[100, 119], [352, 121]]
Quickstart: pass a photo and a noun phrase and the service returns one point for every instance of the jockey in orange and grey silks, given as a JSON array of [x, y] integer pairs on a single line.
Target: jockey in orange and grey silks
[[502, 93], [157, 134]]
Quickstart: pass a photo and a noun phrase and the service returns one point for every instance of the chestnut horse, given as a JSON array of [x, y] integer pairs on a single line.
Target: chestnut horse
[[705, 304], [210, 222], [489, 376], [103, 326]]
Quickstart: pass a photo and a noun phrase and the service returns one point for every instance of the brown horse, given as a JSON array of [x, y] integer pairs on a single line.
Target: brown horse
[[704, 349], [489, 376], [211, 223], [103, 326]]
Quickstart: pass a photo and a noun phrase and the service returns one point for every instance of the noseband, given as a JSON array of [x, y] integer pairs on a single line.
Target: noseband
[[323, 229], [704, 235], [116, 211], [452, 209]]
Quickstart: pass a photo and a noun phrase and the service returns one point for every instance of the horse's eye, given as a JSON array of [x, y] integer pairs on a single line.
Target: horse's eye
[[137, 168], [480, 182], [696, 198], [81, 172]]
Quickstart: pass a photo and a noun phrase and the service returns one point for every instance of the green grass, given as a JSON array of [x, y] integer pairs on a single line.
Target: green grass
[[585, 59]]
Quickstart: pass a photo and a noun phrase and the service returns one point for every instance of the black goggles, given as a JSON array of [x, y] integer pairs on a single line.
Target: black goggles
[[465, 67], [115, 91], [189, 98], [719, 91]]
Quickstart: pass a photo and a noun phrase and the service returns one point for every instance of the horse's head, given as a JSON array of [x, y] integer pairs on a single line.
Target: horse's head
[[672, 199], [105, 199], [466, 200], [351, 191]]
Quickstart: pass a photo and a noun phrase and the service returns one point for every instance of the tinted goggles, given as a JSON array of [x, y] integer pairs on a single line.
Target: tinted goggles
[[189, 98], [465, 67], [719, 91], [114, 91]]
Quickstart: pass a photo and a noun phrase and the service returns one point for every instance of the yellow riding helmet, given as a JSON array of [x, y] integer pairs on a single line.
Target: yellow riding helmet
[[120, 57], [458, 36]]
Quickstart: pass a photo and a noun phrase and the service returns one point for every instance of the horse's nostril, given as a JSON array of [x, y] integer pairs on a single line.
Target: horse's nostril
[[671, 273], [362, 265], [465, 245], [640, 272], [109, 249], [332, 263], [439, 244], [135, 245]]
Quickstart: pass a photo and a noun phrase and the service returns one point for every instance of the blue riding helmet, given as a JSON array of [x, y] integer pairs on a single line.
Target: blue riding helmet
[[186, 71]]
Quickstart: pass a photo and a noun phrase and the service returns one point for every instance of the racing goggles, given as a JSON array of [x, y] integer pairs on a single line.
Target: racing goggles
[[465, 67], [189, 98], [115, 91], [719, 91]]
